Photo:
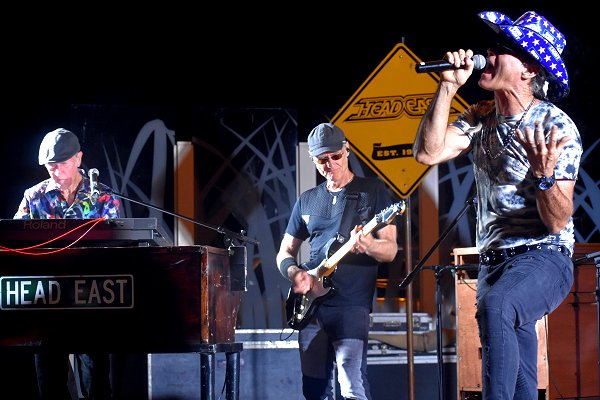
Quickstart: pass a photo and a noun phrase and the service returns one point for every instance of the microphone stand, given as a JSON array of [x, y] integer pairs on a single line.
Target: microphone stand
[[232, 356], [241, 237], [411, 276]]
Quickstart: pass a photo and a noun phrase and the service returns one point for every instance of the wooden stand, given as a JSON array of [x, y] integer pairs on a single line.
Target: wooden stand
[[138, 299]]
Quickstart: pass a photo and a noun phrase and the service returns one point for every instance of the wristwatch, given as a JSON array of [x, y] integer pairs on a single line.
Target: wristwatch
[[545, 182]]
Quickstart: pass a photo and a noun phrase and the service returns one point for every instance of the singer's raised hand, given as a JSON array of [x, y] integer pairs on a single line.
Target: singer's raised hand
[[463, 61]]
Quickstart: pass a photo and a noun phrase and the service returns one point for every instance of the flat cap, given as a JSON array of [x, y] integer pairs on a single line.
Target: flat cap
[[325, 138], [57, 146]]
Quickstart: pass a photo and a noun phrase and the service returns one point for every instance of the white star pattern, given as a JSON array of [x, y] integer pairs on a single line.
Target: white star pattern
[[538, 37]]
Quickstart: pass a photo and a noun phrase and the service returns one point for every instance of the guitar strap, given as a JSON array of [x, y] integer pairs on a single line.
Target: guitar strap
[[352, 205], [343, 233]]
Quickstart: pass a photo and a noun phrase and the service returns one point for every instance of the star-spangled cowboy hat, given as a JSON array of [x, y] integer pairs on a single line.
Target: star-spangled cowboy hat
[[537, 36]]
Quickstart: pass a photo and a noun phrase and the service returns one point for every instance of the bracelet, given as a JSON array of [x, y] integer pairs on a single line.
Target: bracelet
[[285, 264]]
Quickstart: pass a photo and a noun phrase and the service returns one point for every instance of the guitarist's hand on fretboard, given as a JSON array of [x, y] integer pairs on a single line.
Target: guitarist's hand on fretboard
[[361, 241]]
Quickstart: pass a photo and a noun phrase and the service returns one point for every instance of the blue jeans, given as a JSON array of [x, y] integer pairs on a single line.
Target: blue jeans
[[340, 335], [511, 297]]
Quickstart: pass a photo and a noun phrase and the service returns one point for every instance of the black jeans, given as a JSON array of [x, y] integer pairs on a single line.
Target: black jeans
[[52, 369]]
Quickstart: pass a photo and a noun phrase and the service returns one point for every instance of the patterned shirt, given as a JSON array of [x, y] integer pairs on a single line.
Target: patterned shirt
[[507, 214], [44, 201]]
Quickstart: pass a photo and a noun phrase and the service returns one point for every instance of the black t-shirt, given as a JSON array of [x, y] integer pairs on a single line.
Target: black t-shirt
[[317, 216]]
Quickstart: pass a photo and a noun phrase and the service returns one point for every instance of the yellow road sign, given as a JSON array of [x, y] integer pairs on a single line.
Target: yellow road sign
[[381, 119]]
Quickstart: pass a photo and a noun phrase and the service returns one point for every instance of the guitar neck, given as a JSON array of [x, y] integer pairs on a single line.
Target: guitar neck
[[329, 266]]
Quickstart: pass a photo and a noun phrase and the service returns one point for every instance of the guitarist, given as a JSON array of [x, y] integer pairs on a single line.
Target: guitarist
[[339, 207]]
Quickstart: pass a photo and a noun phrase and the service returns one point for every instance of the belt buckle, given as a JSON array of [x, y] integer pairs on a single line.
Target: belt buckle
[[494, 257], [484, 259], [487, 258]]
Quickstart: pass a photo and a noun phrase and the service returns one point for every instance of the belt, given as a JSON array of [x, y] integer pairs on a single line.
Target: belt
[[493, 257]]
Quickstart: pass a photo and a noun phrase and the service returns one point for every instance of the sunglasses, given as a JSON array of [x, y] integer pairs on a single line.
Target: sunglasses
[[333, 157], [499, 48]]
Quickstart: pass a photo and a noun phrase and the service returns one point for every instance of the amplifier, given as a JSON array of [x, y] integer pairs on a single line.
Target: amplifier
[[396, 322]]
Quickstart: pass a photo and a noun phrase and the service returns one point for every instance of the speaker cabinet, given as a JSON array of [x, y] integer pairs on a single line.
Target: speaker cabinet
[[574, 325], [573, 330]]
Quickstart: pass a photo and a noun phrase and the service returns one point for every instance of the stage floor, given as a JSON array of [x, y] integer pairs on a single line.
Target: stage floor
[[270, 370]]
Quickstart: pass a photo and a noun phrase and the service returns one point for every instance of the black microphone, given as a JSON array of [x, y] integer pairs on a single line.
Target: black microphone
[[443, 65], [589, 256], [94, 192]]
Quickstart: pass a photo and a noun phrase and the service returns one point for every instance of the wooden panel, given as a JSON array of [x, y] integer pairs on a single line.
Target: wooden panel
[[573, 340], [219, 304], [468, 346], [138, 299]]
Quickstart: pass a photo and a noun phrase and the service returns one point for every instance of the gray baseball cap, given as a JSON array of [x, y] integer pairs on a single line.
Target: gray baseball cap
[[325, 138], [57, 146]]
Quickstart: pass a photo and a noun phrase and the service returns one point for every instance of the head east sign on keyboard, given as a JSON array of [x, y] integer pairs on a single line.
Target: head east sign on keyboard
[[66, 292]]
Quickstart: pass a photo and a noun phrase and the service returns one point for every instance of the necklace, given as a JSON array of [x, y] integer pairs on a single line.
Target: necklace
[[509, 137], [334, 193], [334, 196]]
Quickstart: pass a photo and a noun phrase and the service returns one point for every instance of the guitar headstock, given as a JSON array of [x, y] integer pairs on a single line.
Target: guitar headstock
[[388, 214]]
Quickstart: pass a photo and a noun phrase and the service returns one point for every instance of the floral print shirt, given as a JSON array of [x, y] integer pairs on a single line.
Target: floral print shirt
[[44, 201]]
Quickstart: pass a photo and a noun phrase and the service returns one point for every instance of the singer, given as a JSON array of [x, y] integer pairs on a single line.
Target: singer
[[68, 194], [526, 153]]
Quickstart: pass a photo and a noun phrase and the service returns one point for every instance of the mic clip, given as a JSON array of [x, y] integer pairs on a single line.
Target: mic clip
[[94, 192]]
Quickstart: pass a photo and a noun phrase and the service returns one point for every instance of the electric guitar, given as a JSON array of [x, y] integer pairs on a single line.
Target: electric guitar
[[300, 308]]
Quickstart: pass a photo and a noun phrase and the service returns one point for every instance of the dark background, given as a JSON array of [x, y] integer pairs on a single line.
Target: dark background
[[308, 57], [301, 56]]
